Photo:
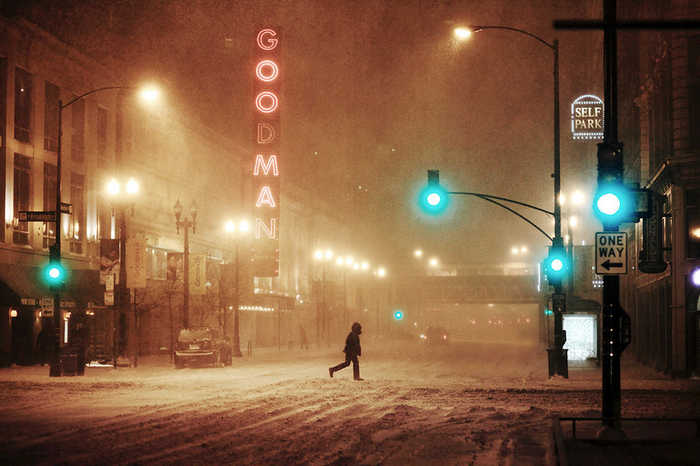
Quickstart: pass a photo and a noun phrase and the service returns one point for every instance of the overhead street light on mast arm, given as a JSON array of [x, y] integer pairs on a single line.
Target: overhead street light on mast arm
[[147, 93], [557, 361]]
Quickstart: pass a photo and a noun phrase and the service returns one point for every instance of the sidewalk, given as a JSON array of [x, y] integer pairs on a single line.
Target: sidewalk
[[648, 442]]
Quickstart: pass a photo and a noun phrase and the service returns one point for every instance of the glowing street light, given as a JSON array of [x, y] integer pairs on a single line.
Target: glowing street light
[[418, 253], [462, 33], [433, 262]]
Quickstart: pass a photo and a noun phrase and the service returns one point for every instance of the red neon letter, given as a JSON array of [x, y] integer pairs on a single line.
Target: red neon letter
[[266, 102], [267, 71], [271, 163], [266, 133], [265, 197], [266, 39], [270, 232]]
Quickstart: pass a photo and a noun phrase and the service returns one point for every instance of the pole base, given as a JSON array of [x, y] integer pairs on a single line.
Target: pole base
[[558, 362]]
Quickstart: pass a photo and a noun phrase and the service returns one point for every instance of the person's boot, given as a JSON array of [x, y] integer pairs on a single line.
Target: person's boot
[[356, 372], [330, 372]]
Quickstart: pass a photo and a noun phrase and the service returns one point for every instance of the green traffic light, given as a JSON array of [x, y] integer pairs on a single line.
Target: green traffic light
[[398, 315], [613, 204], [433, 199], [556, 265], [54, 274]]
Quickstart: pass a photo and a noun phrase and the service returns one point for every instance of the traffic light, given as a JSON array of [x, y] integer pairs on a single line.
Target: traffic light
[[613, 202], [695, 277], [433, 198], [54, 274], [556, 265], [398, 315]]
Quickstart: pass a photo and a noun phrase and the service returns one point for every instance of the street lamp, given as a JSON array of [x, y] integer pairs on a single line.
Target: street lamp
[[236, 230], [186, 223], [151, 94], [322, 256], [557, 362], [121, 198]]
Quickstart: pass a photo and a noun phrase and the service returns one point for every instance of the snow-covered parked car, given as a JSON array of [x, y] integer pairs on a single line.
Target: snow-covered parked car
[[202, 346]]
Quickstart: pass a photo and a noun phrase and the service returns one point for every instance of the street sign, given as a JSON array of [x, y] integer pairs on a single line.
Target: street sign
[[611, 253], [37, 216], [66, 208]]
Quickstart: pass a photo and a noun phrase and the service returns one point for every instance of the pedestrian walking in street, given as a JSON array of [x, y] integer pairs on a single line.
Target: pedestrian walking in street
[[352, 351]]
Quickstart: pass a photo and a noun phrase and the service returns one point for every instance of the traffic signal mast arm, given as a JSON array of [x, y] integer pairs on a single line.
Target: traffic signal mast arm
[[495, 199]]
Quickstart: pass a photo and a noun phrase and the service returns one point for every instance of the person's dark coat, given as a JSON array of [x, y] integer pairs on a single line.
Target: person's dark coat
[[352, 343]]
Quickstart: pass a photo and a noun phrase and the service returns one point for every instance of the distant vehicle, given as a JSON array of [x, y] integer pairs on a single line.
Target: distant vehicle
[[200, 346], [434, 336]]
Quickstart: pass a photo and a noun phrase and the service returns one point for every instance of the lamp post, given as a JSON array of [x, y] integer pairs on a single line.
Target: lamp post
[[186, 223], [149, 94], [380, 273], [322, 256], [114, 190], [557, 362], [235, 231]]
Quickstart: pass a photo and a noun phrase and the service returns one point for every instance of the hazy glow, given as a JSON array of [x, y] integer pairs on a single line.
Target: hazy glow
[[557, 265], [523, 249], [462, 33], [609, 204], [433, 262], [339, 260], [365, 265], [318, 254], [132, 186], [433, 199], [381, 272], [578, 197], [514, 250], [573, 221], [696, 233], [695, 277], [112, 187], [271, 73], [267, 102], [328, 254], [150, 93], [244, 226], [562, 198], [230, 227], [418, 253], [54, 272]]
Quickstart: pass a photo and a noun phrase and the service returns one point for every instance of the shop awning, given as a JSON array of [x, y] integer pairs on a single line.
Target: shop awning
[[23, 285]]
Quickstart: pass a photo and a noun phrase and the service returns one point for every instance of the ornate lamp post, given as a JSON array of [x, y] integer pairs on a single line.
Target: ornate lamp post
[[186, 223], [114, 192], [236, 231]]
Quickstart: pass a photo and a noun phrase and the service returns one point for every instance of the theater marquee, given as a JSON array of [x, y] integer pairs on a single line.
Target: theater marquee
[[266, 158], [587, 117]]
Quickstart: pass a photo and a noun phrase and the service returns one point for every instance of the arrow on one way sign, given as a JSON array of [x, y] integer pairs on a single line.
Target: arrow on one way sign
[[611, 265]]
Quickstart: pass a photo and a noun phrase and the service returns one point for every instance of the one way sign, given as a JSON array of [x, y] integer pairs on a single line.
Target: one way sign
[[611, 253]]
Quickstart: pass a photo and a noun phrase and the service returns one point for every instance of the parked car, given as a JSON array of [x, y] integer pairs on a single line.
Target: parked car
[[202, 346], [434, 336]]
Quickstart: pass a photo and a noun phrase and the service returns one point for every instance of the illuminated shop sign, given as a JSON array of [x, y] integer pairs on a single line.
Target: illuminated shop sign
[[587, 117], [266, 168]]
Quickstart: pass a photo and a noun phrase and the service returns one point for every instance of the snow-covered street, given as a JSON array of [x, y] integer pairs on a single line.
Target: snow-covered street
[[465, 403]]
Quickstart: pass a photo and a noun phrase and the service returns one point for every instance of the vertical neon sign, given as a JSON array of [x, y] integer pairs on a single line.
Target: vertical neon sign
[[266, 158]]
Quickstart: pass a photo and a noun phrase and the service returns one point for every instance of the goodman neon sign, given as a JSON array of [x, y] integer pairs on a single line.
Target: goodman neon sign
[[266, 171]]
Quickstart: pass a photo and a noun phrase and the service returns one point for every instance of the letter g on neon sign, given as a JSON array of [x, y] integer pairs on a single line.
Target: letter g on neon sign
[[267, 39]]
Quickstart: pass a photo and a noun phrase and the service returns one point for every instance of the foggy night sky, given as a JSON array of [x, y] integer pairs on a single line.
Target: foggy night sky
[[382, 92]]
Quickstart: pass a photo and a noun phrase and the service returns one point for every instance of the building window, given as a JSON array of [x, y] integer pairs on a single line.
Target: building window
[[76, 227], [23, 104], [694, 90], [103, 160], [51, 117], [692, 214], [22, 180], [50, 180], [78, 136]]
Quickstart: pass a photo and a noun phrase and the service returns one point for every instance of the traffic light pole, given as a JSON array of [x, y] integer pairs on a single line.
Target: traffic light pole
[[55, 257]]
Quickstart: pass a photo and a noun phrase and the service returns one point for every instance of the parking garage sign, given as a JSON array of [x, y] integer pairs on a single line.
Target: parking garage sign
[[611, 253]]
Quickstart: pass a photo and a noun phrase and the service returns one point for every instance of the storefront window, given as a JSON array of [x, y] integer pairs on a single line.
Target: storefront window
[[692, 215]]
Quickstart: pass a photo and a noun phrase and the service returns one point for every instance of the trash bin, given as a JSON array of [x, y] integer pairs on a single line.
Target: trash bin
[[69, 363]]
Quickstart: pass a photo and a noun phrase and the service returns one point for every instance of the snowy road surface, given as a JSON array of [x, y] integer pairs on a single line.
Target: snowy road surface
[[462, 404]]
